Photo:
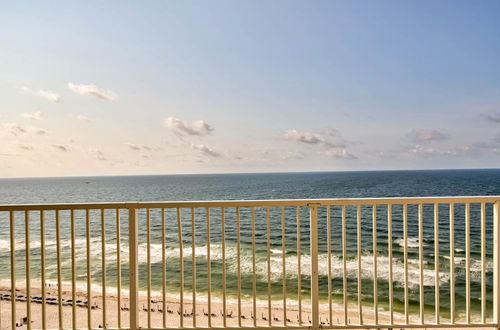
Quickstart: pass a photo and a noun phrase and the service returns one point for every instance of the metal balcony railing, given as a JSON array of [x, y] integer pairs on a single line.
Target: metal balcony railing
[[330, 263]]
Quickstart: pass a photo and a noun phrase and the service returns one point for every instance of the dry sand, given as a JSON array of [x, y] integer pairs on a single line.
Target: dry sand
[[172, 318]]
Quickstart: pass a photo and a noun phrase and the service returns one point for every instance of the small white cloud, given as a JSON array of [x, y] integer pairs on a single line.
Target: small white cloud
[[93, 90], [15, 128], [61, 147], [49, 95], [182, 128], [27, 147], [83, 118], [205, 150], [312, 138], [340, 154], [493, 117], [426, 135], [40, 131], [33, 116], [133, 146], [420, 150], [98, 154], [304, 137], [46, 94]]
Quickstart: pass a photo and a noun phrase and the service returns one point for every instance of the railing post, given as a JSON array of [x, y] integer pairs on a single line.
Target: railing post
[[133, 264], [314, 266], [496, 264]]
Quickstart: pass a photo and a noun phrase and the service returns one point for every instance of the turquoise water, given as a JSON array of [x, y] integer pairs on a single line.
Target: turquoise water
[[262, 186]]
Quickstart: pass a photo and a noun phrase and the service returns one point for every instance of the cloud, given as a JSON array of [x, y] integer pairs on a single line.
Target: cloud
[[494, 117], [340, 154], [138, 147], [27, 147], [304, 137], [49, 95], [133, 146], [46, 94], [93, 90], [40, 131], [98, 154], [83, 118], [15, 128], [419, 149], [312, 138], [33, 116], [205, 150], [61, 147], [426, 135], [183, 128]]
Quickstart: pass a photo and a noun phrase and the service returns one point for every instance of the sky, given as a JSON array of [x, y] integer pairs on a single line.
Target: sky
[[172, 87]]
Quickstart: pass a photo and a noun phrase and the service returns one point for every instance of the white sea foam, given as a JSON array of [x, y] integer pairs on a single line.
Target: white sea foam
[[412, 242], [246, 261]]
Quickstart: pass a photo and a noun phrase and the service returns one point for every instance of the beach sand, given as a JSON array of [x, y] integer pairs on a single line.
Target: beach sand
[[172, 319]]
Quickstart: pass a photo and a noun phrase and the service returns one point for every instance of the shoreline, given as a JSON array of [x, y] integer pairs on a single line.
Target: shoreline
[[172, 306], [172, 303]]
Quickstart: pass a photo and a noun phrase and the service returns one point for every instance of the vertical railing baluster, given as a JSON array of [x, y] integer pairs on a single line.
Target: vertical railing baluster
[[73, 270], [209, 270], [42, 270], [467, 262], [375, 281], [405, 260], [268, 241], [181, 268], [223, 238], [193, 263], [389, 255], [254, 278], [59, 282], [134, 267], [344, 263], [452, 263], [496, 264], [103, 266], [299, 273], [483, 263], [314, 266], [436, 260], [148, 264], [283, 253], [118, 270], [238, 257], [12, 270], [28, 268], [329, 246], [89, 274], [421, 261], [164, 268], [360, 255]]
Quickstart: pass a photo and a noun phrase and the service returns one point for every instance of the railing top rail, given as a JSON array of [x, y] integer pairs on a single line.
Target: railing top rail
[[253, 203]]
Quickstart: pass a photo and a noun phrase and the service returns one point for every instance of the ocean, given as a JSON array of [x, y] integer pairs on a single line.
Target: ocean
[[263, 186]]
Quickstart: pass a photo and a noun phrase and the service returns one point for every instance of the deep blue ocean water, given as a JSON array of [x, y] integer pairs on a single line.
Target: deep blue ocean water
[[265, 186]]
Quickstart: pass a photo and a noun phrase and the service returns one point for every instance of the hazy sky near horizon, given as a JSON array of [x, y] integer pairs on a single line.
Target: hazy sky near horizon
[[165, 87]]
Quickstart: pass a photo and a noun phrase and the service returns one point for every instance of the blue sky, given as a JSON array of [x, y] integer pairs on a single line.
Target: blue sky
[[161, 87]]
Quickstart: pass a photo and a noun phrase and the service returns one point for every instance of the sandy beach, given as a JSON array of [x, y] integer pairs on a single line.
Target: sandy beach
[[171, 317]]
